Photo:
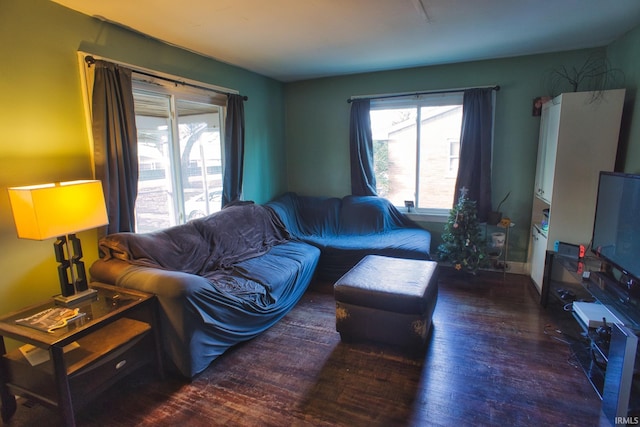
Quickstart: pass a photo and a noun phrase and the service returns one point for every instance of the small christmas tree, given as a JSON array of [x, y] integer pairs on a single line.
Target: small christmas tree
[[463, 244]]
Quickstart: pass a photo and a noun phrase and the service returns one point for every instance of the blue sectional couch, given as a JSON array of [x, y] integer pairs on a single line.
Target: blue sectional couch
[[227, 277], [220, 280], [349, 228]]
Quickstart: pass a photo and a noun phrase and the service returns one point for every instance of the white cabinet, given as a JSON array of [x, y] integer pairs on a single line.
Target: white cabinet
[[547, 147], [578, 139], [538, 254]]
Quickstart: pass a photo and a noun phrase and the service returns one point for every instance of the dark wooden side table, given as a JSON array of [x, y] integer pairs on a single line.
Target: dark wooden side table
[[116, 336]]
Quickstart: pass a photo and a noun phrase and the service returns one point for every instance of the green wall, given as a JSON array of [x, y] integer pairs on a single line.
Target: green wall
[[624, 54], [44, 137], [317, 124]]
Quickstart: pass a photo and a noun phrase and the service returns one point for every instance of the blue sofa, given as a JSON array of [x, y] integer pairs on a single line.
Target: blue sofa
[[227, 277], [349, 228], [219, 280]]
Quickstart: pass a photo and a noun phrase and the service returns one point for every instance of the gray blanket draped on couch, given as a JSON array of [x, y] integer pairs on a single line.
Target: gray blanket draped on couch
[[220, 280]]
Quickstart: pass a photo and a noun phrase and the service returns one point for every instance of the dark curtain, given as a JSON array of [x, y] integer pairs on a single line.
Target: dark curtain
[[115, 143], [363, 179], [233, 150], [474, 169]]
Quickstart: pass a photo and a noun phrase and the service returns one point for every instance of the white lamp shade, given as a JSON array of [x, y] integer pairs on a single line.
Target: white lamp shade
[[51, 210]]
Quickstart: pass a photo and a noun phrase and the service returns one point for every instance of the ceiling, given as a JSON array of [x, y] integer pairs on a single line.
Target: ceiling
[[292, 40]]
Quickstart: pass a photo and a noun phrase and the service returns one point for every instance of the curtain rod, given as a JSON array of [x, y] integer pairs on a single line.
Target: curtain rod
[[424, 92], [90, 60]]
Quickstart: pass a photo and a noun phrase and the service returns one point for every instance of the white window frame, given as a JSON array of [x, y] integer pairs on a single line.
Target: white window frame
[[453, 156], [190, 90], [87, 79], [176, 93]]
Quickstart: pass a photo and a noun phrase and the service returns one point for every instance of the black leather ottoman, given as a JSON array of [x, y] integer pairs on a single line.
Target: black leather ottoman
[[387, 300]]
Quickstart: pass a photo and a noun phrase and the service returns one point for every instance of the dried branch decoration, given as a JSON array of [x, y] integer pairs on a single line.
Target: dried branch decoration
[[596, 75]]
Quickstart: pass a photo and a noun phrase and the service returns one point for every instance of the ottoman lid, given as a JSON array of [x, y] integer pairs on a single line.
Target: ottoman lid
[[393, 284]]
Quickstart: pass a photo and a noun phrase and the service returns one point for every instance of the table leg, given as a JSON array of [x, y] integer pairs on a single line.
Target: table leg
[[7, 399], [155, 318], [62, 382]]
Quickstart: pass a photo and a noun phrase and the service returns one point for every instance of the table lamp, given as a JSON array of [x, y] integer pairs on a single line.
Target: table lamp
[[60, 210]]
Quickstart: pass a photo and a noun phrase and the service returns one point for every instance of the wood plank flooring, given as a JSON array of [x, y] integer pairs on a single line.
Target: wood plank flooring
[[491, 361]]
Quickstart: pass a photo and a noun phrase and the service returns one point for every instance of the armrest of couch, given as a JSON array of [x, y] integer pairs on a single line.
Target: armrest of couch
[[163, 283], [178, 319]]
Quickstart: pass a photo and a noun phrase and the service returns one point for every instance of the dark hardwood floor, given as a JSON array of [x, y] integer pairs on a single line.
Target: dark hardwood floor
[[495, 358]]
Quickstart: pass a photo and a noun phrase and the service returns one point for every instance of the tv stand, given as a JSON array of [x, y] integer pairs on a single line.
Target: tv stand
[[612, 364]]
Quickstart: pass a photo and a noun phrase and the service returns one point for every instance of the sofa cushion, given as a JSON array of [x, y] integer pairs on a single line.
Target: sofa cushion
[[370, 214], [319, 216], [341, 253]]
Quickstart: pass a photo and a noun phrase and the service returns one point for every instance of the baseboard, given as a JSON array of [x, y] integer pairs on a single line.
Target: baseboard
[[513, 268], [518, 268]]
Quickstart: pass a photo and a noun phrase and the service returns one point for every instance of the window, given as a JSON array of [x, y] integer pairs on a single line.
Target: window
[[454, 156], [179, 153], [416, 145]]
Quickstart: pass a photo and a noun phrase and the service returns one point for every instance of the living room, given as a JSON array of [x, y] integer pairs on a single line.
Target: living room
[[295, 131]]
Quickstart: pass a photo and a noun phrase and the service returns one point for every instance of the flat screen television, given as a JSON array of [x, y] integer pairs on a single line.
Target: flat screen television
[[616, 228]]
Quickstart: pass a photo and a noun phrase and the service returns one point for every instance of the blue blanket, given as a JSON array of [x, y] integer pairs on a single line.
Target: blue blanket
[[220, 280], [347, 229]]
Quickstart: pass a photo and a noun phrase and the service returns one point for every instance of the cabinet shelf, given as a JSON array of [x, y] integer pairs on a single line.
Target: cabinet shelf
[[538, 228], [92, 347], [566, 183], [95, 350]]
